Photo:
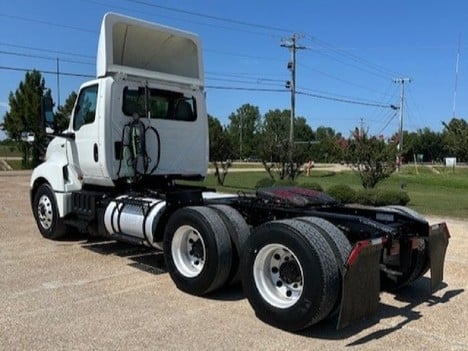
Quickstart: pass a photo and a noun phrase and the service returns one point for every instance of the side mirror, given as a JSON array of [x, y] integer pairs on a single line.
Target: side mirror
[[49, 124], [48, 118]]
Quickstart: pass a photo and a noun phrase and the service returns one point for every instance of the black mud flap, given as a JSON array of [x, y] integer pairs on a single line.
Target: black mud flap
[[361, 283], [438, 242]]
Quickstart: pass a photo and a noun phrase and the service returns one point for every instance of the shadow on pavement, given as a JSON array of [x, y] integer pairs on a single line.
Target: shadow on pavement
[[418, 293], [148, 260], [414, 295]]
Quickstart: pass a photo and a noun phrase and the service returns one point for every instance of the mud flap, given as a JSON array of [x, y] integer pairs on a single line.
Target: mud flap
[[361, 283], [438, 242]]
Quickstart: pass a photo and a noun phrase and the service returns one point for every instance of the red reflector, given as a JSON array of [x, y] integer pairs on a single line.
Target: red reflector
[[359, 246]]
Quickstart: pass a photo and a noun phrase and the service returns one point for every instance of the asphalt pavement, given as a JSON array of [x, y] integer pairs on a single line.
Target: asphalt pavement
[[93, 294]]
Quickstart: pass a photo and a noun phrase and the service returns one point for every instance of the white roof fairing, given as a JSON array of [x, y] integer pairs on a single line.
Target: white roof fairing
[[139, 48]]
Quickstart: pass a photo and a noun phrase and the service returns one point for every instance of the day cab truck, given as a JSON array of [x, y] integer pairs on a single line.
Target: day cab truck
[[140, 128]]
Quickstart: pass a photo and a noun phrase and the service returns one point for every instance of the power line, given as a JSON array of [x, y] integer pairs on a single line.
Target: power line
[[340, 79], [355, 58], [218, 87], [192, 13], [12, 53], [221, 87], [203, 15], [414, 103], [47, 50], [347, 101], [70, 74], [242, 55], [179, 19], [242, 81], [376, 74], [245, 76], [392, 117], [59, 25]]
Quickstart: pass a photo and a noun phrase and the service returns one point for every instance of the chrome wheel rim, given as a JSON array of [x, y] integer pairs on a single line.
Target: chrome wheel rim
[[188, 251], [278, 275], [45, 212]]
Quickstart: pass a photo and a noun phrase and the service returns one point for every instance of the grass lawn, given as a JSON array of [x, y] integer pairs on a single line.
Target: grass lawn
[[432, 191], [8, 151], [15, 164]]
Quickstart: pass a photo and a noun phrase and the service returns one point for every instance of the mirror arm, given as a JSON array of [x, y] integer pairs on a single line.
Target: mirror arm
[[70, 136]]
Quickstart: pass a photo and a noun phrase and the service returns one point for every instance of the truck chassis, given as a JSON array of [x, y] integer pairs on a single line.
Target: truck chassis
[[300, 255]]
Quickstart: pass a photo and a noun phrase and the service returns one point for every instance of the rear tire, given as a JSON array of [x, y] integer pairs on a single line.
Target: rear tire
[[338, 242], [197, 250], [289, 274], [239, 232], [420, 261], [419, 265], [46, 213], [334, 236]]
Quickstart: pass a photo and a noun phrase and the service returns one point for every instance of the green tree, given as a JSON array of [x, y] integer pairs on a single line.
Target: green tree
[[423, 142], [274, 147], [456, 138], [62, 116], [220, 149], [372, 158], [25, 115], [304, 137], [328, 147], [243, 128], [274, 136]]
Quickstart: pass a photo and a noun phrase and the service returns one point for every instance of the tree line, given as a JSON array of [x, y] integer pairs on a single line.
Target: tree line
[[249, 135]]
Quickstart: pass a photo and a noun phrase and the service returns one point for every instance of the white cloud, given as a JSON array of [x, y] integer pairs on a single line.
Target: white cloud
[[4, 105]]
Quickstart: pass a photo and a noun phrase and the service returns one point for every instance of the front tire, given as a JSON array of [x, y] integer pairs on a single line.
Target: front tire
[[46, 213], [289, 274]]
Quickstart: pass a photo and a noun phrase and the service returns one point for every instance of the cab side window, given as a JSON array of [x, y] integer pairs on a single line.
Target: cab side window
[[85, 109]]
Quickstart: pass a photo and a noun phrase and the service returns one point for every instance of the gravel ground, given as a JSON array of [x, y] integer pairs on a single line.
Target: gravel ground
[[81, 294]]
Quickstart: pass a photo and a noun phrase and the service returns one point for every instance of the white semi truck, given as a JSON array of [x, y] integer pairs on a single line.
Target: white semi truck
[[141, 126]]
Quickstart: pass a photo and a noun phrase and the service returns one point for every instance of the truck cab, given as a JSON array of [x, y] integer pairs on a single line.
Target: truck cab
[[143, 116]]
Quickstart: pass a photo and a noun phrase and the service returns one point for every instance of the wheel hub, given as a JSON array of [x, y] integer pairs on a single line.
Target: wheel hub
[[197, 249], [289, 272]]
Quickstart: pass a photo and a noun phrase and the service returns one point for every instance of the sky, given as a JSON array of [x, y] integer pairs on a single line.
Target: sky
[[352, 52]]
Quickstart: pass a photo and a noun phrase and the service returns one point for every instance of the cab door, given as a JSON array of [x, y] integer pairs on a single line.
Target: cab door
[[86, 156]]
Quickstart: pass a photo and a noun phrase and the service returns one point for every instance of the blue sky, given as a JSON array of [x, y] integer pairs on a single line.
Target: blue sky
[[354, 50]]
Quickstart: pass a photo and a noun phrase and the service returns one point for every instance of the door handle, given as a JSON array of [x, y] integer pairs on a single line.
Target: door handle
[[96, 153]]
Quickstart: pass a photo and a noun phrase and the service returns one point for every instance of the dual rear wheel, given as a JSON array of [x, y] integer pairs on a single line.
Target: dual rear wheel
[[202, 246], [290, 269]]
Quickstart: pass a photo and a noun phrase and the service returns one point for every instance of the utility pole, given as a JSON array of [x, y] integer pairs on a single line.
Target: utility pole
[[58, 83], [291, 44], [402, 82], [240, 137], [456, 77]]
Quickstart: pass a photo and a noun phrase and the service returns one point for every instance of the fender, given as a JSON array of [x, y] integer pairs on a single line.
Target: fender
[[59, 174]]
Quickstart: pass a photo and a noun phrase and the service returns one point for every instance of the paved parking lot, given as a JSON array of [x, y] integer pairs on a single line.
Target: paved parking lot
[[84, 293]]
